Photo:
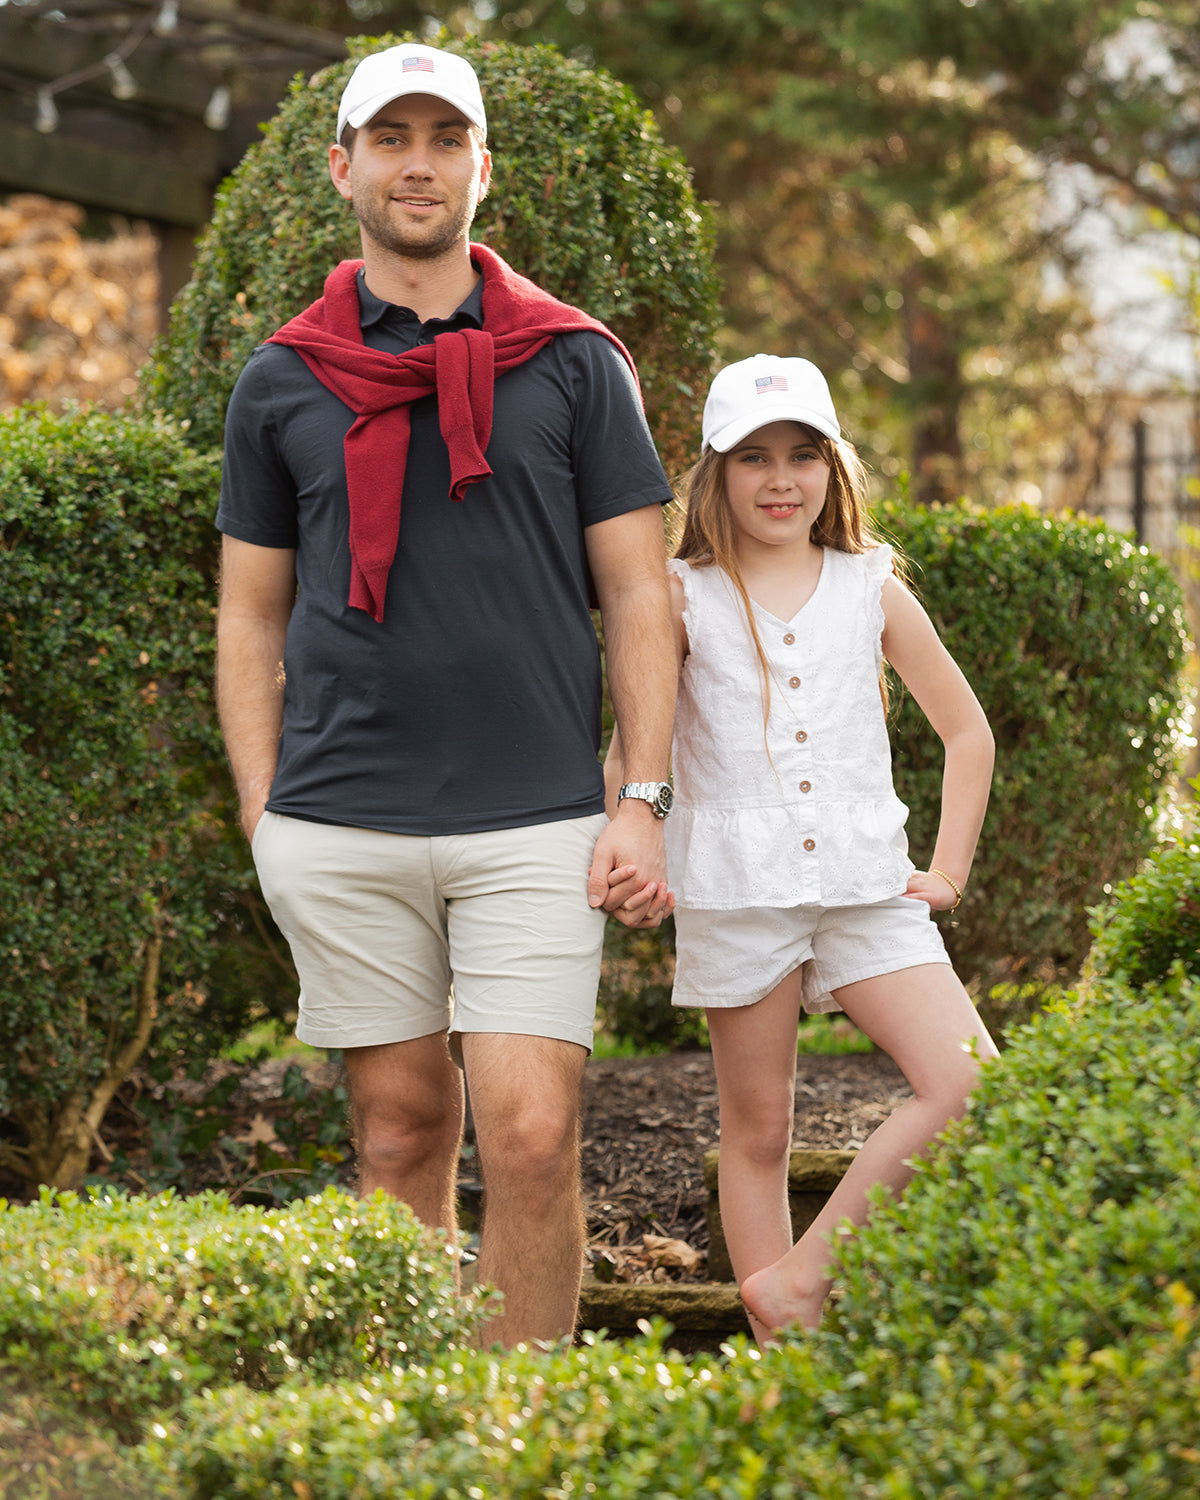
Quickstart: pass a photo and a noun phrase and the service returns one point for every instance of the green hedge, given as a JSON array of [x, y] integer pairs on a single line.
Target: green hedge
[[1153, 920], [586, 199], [1075, 641], [116, 844], [1023, 1324], [114, 1310]]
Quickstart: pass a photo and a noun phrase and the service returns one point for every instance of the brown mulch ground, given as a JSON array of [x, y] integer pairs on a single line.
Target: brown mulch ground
[[648, 1122]]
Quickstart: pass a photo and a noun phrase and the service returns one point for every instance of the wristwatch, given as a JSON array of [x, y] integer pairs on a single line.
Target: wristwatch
[[657, 793]]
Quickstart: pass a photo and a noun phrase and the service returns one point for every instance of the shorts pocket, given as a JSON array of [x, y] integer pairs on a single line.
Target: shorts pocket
[[256, 837]]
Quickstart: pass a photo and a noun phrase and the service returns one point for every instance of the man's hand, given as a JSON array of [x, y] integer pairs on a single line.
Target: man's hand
[[251, 812], [629, 868]]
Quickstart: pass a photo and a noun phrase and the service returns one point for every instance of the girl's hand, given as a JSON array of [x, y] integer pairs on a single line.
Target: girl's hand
[[924, 885], [646, 907]]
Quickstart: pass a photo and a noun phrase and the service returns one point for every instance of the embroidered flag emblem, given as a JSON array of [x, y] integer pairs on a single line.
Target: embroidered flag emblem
[[417, 65], [765, 383]]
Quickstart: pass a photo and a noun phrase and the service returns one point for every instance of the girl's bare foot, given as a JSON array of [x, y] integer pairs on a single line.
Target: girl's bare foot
[[775, 1305]]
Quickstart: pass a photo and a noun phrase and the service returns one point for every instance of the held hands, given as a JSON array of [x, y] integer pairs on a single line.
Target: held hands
[[628, 874], [935, 888]]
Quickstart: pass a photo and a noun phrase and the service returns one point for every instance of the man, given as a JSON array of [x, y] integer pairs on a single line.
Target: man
[[424, 473]]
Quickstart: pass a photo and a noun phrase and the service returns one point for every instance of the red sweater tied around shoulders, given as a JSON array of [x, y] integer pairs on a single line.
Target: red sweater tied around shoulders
[[460, 367]]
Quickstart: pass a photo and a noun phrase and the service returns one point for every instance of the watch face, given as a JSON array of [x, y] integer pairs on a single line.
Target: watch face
[[664, 800]]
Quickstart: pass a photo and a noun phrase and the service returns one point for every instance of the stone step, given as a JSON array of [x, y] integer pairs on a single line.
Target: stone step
[[812, 1176], [702, 1314]]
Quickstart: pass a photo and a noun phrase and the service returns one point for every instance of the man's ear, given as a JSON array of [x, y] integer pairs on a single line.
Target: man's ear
[[339, 171], [485, 177]]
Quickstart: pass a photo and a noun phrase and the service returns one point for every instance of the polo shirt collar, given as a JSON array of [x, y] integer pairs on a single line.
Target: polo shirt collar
[[375, 311]]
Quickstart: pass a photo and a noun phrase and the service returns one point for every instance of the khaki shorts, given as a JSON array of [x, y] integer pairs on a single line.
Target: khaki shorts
[[729, 958], [396, 937]]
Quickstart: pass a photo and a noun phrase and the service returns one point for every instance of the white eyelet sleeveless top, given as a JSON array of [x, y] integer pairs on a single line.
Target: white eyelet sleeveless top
[[817, 821]]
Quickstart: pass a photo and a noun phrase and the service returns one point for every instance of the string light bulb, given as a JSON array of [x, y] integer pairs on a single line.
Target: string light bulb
[[216, 112], [124, 85], [46, 119], [167, 19]]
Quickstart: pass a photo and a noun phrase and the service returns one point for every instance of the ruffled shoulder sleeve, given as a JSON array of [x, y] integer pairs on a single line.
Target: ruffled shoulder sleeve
[[878, 563], [876, 570], [687, 576]]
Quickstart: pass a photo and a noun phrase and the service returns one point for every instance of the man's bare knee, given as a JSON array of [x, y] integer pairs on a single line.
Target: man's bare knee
[[536, 1146], [390, 1147]]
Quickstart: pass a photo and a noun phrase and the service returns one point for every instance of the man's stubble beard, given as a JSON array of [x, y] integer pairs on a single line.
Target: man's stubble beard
[[379, 228]]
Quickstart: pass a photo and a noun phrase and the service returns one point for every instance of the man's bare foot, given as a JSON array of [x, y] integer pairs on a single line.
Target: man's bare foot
[[775, 1305]]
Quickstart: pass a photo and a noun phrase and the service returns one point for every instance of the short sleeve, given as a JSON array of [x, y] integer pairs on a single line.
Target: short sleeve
[[258, 493], [616, 465]]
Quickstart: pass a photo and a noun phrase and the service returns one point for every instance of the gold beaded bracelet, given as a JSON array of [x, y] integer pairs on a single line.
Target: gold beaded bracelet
[[951, 884]]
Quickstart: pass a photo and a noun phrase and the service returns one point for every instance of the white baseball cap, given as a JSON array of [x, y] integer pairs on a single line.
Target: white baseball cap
[[410, 69], [766, 388]]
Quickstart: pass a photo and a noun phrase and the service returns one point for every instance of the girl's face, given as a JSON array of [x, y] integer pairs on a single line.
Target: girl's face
[[775, 481]]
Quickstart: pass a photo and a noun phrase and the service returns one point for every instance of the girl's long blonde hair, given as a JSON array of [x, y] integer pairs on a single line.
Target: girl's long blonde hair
[[703, 531]]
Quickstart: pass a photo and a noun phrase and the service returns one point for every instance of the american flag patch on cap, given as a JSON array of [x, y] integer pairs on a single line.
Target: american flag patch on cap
[[417, 64], [765, 383]]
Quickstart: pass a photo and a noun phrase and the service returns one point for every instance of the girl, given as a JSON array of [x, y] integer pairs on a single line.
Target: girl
[[786, 847]]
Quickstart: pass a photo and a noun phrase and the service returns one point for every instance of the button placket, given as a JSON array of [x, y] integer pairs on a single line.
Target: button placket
[[801, 763], [801, 738]]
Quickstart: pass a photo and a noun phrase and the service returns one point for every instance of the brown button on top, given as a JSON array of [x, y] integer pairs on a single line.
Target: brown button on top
[[801, 736], [806, 786], [793, 682], [810, 844], [789, 639]]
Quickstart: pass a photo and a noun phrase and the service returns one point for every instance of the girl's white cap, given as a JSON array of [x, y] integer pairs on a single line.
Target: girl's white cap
[[410, 69], [762, 389]]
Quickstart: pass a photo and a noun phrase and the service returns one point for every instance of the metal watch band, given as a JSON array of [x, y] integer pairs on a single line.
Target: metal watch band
[[657, 793]]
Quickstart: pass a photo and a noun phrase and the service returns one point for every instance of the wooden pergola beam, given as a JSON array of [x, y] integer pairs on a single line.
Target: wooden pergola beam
[[150, 156]]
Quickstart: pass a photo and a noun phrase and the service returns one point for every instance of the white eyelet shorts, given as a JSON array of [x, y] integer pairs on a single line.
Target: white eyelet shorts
[[730, 958]]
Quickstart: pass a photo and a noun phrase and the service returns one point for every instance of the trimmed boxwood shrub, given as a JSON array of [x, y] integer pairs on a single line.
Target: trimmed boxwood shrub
[[118, 850], [1152, 921], [586, 200], [114, 1309], [1023, 1323], [1075, 641], [153, 1298]]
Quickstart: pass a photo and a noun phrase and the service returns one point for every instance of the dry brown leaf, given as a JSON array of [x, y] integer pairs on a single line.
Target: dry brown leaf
[[662, 1251], [259, 1132]]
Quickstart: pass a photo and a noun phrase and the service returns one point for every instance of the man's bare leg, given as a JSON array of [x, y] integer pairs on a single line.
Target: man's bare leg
[[406, 1099], [525, 1094]]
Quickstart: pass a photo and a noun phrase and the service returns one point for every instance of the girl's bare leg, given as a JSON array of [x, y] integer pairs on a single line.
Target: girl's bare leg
[[924, 1019], [754, 1054]]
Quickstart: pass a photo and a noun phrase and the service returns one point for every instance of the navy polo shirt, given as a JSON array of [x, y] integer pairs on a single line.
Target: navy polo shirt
[[475, 704]]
